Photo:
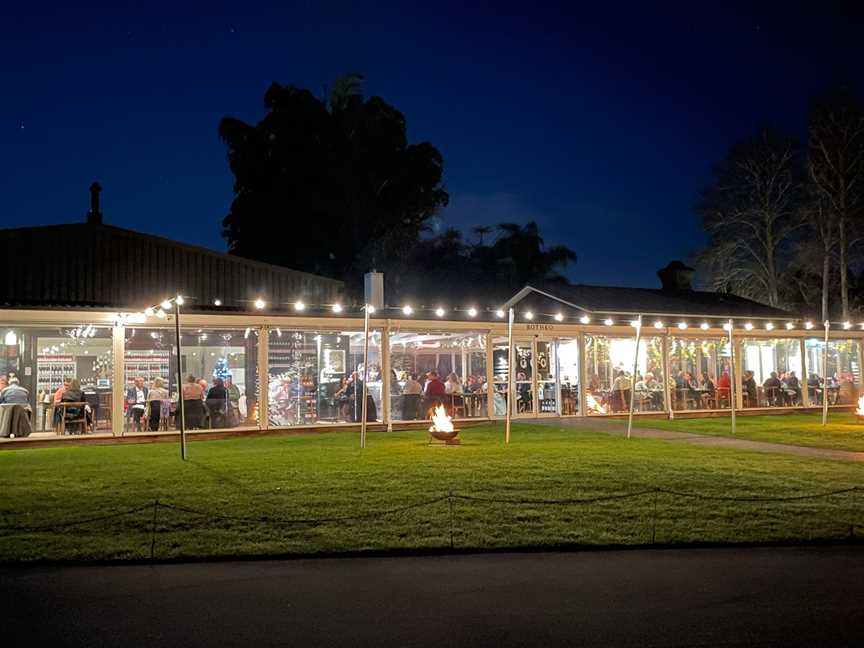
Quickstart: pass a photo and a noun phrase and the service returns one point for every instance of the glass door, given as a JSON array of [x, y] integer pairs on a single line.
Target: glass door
[[523, 359], [547, 377]]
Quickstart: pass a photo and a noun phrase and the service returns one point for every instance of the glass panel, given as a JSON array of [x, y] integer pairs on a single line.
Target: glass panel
[[568, 366], [225, 363], [500, 376], [771, 372], [700, 373], [522, 355], [547, 385], [843, 370], [610, 367], [317, 377], [458, 360], [151, 385], [38, 365]]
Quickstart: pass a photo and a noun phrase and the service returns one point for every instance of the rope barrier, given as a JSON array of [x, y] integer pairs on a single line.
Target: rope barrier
[[61, 525]]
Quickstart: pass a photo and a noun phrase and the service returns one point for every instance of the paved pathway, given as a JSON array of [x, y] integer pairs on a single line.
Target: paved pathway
[[619, 427], [683, 597]]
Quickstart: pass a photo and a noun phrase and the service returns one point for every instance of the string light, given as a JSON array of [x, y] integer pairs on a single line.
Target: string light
[[608, 321], [217, 302], [789, 326], [370, 308], [260, 304], [559, 317], [160, 314], [529, 315], [299, 306], [336, 308], [148, 311], [179, 300], [727, 326], [682, 325], [585, 319], [407, 310], [440, 312], [704, 326], [472, 312], [634, 323], [847, 325], [748, 326], [166, 305], [658, 324], [808, 325], [500, 313]]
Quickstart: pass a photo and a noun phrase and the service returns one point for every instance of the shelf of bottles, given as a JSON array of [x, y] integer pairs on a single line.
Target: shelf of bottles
[[149, 365], [52, 369]]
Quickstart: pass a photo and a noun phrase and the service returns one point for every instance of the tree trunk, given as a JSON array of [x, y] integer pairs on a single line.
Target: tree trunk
[[826, 269], [844, 269], [769, 262]]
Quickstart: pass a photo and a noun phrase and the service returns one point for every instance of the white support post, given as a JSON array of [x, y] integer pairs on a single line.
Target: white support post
[[182, 408], [825, 376], [118, 379], [363, 407], [510, 372], [732, 374], [386, 377], [490, 375], [263, 379], [667, 392], [633, 376], [583, 376], [805, 391]]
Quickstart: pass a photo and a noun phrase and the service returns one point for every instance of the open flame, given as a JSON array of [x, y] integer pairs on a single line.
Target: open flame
[[440, 421], [860, 410], [593, 405]]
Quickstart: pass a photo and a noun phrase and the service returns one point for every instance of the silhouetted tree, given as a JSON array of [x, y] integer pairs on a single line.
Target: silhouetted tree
[[330, 186]]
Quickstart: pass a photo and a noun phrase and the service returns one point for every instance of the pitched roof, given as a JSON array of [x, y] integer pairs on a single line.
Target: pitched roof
[[650, 301]]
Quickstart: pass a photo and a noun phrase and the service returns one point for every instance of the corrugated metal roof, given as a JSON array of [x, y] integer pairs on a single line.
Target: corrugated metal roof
[[85, 264], [614, 299]]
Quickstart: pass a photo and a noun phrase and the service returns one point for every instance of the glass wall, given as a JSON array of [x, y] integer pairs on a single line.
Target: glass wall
[[843, 371], [771, 372], [150, 381], [317, 377], [547, 377], [500, 376], [699, 373], [609, 365], [568, 369], [225, 363], [458, 360], [523, 358]]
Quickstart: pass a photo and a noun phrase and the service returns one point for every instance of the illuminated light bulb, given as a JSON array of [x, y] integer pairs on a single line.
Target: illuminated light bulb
[[847, 325], [279, 332], [704, 326], [217, 302], [260, 303], [336, 308], [727, 326], [407, 310], [769, 326], [440, 312], [179, 300], [166, 305], [658, 324], [160, 314], [246, 333], [529, 315], [370, 308], [148, 311], [748, 326], [789, 326], [472, 312], [299, 306], [559, 317], [682, 325], [808, 325], [499, 313], [584, 319], [608, 321], [635, 323]]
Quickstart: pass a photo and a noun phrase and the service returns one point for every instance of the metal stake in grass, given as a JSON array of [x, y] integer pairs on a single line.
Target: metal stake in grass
[[825, 376], [180, 382], [732, 375], [509, 395], [633, 379]]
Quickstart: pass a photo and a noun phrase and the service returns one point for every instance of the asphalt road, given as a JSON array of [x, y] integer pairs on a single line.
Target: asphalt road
[[693, 597]]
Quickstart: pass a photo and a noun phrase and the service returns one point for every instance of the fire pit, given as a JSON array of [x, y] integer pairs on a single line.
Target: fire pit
[[442, 428]]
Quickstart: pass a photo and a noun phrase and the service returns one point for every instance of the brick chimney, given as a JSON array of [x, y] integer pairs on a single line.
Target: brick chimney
[[676, 276], [94, 216]]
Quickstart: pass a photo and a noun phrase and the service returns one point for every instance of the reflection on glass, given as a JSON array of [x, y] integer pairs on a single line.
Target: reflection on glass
[[700, 373], [523, 403], [547, 384], [500, 376], [843, 371], [771, 372], [568, 365], [609, 362], [317, 377], [457, 359]]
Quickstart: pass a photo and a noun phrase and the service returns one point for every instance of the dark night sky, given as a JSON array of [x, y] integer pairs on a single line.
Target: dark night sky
[[601, 124]]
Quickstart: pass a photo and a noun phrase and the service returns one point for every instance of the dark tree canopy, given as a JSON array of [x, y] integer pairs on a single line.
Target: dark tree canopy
[[330, 187]]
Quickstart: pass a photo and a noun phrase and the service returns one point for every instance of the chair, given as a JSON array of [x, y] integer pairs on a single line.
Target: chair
[[74, 414], [218, 408], [457, 404]]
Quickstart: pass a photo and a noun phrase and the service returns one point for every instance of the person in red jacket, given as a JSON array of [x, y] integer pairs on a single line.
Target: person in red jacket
[[434, 386]]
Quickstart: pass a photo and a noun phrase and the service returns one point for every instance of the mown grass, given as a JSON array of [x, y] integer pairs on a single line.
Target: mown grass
[[843, 431], [327, 475]]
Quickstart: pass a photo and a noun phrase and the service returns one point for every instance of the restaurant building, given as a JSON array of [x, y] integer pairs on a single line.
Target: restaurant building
[[294, 351]]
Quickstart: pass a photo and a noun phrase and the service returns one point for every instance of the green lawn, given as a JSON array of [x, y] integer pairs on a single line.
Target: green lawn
[[327, 475], [843, 431]]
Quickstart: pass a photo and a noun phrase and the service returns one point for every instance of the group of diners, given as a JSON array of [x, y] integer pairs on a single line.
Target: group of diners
[[206, 405], [413, 395]]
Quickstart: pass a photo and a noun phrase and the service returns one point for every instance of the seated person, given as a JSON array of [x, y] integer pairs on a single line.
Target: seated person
[[772, 386], [453, 386], [136, 400], [411, 394], [74, 395], [14, 393], [748, 385], [708, 388], [791, 388]]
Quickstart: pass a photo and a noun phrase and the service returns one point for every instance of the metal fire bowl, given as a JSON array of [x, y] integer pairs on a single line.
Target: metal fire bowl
[[447, 437]]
